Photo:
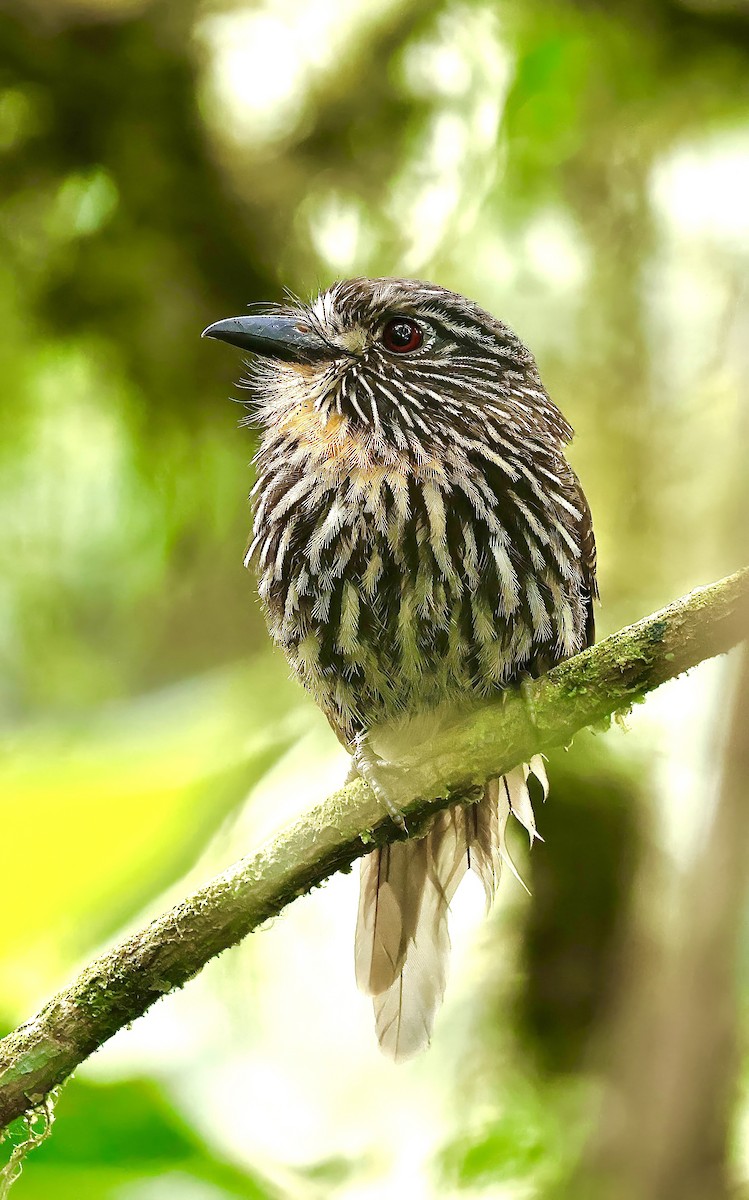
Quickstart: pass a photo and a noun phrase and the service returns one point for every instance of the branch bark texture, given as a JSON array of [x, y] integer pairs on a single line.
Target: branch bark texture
[[483, 742]]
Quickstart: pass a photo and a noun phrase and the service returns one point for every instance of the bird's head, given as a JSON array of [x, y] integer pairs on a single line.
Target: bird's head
[[404, 364]]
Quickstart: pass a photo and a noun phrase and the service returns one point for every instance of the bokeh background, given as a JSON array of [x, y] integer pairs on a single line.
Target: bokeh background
[[580, 169]]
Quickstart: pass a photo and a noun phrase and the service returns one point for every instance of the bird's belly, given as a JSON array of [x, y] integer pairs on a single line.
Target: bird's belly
[[373, 630]]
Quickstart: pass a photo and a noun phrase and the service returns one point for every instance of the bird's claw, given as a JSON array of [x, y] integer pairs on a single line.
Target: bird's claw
[[366, 763]]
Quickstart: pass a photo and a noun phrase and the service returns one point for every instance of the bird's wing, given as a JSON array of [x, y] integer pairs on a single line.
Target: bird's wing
[[588, 558]]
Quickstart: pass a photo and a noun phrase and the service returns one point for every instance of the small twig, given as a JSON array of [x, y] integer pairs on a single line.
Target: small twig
[[38, 1121], [482, 742]]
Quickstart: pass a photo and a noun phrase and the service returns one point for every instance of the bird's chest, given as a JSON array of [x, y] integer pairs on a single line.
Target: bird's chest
[[386, 589]]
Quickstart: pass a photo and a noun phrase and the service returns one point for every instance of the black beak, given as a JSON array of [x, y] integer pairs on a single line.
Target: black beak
[[288, 338]]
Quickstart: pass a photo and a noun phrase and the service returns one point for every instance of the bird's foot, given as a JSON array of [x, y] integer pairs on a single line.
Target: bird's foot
[[367, 764]]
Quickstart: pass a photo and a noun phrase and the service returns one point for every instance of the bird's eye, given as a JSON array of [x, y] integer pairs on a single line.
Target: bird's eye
[[402, 335]]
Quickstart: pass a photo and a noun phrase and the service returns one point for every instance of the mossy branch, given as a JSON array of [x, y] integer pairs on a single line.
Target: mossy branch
[[478, 744]]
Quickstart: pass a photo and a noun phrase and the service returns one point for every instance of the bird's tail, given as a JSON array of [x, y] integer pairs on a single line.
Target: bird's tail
[[402, 940]]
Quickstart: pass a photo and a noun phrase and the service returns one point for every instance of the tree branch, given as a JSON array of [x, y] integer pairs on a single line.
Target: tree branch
[[482, 742]]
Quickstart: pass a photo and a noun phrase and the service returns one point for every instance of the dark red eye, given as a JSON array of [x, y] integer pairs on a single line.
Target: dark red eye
[[402, 335]]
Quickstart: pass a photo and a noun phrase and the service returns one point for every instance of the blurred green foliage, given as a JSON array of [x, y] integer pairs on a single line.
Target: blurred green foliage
[[580, 888], [112, 1140], [121, 803], [577, 168]]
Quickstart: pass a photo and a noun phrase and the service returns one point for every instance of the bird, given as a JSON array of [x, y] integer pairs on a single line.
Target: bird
[[421, 543]]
